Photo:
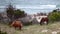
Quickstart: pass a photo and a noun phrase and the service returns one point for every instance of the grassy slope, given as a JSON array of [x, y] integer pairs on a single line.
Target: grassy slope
[[34, 29], [37, 29]]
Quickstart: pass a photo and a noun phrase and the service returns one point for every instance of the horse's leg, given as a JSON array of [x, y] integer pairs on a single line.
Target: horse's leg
[[41, 23], [15, 28], [47, 22], [20, 27]]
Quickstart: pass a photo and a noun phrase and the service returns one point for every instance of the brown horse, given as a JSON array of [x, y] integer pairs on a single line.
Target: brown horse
[[44, 21], [17, 24]]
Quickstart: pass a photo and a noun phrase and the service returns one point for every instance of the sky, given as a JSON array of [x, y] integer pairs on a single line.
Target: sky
[[32, 6]]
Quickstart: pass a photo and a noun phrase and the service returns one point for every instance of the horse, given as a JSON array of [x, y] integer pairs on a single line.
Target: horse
[[17, 24], [44, 21]]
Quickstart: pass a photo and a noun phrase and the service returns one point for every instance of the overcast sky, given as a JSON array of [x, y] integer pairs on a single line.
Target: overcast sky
[[32, 6]]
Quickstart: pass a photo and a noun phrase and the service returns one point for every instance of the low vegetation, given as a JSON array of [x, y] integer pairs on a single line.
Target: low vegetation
[[54, 16], [34, 29], [2, 32]]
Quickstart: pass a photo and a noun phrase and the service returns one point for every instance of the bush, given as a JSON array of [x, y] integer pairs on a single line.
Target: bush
[[28, 23], [54, 16], [2, 32]]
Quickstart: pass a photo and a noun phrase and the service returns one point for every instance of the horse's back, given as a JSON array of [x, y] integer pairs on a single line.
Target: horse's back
[[16, 24]]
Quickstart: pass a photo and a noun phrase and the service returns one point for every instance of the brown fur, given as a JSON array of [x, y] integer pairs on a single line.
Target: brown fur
[[17, 24], [43, 20]]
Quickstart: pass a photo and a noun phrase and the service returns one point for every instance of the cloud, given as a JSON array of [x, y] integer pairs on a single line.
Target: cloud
[[37, 7]]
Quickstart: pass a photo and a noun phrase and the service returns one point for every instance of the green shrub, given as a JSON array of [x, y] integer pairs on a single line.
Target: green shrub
[[3, 32], [54, 16], [28, 23]]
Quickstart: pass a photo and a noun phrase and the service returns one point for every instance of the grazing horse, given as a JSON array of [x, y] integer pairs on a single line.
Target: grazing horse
[[17, 24], [44, 21]]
